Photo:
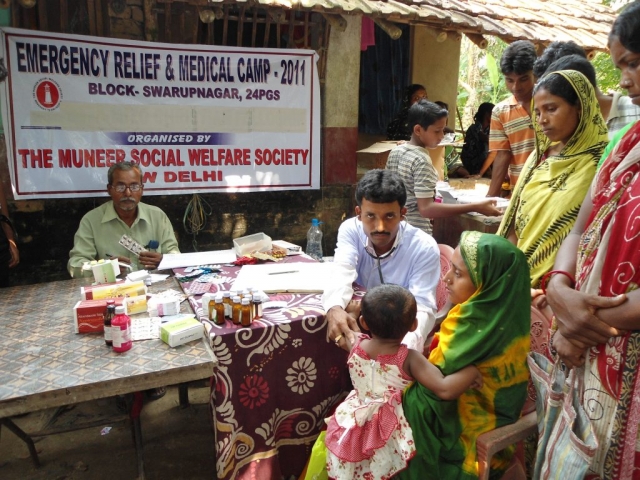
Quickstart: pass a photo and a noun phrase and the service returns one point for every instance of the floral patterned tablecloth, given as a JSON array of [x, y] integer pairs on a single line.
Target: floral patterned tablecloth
[[275, 383]]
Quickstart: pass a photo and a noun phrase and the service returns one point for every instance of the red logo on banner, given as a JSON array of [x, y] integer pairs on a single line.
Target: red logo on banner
[[47, 94]]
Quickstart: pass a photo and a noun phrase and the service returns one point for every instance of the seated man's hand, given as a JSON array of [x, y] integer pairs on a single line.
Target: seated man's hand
[[126, 261], [149, 260], [340, 325]]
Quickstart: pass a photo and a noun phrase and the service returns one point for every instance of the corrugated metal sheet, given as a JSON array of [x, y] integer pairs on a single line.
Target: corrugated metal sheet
[[587, 22]]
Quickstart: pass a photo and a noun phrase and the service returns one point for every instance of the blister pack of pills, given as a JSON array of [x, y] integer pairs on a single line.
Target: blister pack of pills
[[131, 245]]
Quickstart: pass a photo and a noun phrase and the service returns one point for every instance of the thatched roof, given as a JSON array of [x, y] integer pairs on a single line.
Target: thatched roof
[[586, 22]]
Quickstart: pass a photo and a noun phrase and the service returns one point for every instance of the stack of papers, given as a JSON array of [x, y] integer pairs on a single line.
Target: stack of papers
[[287, 277], [180, 260]]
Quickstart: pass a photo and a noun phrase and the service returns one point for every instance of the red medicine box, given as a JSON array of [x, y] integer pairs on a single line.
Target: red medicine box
[[88, 315]]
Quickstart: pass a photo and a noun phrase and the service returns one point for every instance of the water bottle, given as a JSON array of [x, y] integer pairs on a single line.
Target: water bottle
[[314, 240]]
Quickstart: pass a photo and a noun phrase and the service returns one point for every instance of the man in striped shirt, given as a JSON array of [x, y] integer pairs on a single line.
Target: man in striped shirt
[[511, 137], [412, 163]]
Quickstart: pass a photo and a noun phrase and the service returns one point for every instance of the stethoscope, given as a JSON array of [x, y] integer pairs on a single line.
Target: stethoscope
[[386, 254]]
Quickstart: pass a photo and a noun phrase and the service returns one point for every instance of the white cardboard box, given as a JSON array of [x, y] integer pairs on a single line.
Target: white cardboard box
[[258, 242], [182, 331]]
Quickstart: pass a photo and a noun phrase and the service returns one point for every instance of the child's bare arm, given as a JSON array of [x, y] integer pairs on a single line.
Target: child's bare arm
[[446, 388]]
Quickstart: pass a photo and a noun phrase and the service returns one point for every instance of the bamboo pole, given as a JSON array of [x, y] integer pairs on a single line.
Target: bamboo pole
[[389, 28], [91, 13], [150, 21], [100, 19], [43, 24], [336, 21], [439, 35], [478, 39]]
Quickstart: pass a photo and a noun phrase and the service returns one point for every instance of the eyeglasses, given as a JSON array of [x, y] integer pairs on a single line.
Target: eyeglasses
[[121, 187]]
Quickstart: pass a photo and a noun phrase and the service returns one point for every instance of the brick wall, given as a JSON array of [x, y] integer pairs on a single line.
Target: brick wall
[[46, 227]]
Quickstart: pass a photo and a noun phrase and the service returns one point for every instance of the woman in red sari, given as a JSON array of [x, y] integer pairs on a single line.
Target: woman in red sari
[[598, 313]]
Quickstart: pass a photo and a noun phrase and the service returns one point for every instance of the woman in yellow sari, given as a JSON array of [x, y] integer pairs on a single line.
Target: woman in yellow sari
[[570, 138]]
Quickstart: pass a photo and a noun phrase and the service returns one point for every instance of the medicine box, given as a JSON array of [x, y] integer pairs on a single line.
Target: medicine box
[[138, 275], [105, 271], [137, 304], [88, 315], [258, 242], [132, 289], [168, 307], [182, 331]]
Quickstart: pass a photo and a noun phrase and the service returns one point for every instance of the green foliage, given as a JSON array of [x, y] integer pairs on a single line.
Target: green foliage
[[494, 76], [487, 85], [606, 73]]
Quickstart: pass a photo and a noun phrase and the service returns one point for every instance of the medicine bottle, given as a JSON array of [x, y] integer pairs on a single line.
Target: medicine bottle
[[226, 299], [108, 316], [212, 309], [246, 318], [219, 308], [207, 305], [121, 331], [257, 307], [237, 310]]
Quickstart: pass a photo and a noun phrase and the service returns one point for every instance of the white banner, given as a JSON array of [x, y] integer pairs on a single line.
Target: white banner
[[198, 118]]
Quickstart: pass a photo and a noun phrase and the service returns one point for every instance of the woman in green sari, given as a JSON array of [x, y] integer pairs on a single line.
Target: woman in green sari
[[489, 328], [570, 137]]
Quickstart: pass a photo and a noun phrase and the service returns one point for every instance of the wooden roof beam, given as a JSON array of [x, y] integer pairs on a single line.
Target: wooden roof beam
[[336, 21], [439, 35], [389, 28], [478, 39]]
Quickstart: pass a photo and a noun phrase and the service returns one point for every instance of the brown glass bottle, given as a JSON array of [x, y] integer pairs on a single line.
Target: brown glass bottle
[[236, 310], [108, 316], [211, 308], [226, 299], [219, 308], [246, 318], [257, 308]]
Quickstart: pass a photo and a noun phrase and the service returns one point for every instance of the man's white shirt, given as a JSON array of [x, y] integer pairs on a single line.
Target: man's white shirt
[[414, 263]]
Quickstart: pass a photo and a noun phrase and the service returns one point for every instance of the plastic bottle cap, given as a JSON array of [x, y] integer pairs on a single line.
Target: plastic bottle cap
[[226, 294], [119, 309], [219, 299], [236, 299], [111, 302], [245, 301], [315, 222]]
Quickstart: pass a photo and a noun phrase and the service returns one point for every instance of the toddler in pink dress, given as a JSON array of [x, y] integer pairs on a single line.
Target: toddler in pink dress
[[368, 436]]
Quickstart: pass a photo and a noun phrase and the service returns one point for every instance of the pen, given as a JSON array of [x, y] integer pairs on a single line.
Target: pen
[[280, 273]]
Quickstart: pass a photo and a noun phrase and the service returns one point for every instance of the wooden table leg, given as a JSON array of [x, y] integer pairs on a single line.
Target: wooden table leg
[[24, 437], [135, 404], [183, 395]]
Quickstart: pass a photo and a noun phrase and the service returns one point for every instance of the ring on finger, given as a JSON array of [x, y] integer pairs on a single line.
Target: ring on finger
[[337, 339]]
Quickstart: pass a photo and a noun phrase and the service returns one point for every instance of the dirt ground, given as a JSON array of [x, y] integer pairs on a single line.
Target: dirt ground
[[178, 443]]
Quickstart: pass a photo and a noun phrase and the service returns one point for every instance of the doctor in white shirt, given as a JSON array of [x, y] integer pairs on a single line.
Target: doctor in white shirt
[[378, 246]]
